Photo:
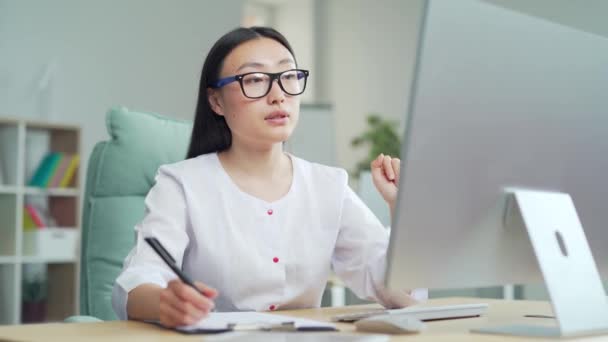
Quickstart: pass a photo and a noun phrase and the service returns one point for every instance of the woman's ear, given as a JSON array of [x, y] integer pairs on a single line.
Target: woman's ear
[[215, 101]]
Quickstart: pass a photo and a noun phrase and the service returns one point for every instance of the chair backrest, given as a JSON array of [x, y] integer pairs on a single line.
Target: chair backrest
[[120, 173]]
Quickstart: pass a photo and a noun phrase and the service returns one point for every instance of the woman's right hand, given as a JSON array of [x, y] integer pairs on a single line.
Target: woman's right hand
[[180, 304]]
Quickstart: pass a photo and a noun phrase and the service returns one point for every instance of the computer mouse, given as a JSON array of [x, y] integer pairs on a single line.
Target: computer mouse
[[391, 324]]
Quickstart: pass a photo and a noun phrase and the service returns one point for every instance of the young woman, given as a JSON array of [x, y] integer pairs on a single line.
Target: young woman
[[259, 227]]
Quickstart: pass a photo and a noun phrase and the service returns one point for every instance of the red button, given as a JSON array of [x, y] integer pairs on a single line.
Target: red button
[[272, 307], [269, 211], [275, 260]]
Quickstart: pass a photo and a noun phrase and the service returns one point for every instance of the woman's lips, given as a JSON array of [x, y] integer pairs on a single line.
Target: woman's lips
[[277, 118]]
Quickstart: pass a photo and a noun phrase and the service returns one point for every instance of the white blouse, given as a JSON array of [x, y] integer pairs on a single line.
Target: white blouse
[[259, 255]]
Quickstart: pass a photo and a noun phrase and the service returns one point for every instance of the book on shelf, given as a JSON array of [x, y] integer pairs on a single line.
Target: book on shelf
[[55, 179], [55, 170], [33, 218], [69, 173], [28, 221], [44, 169]]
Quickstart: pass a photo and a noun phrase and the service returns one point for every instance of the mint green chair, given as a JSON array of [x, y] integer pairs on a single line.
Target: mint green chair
[[120, 173]]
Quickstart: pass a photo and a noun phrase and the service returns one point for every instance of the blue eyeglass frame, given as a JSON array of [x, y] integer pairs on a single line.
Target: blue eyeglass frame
[[273, 76]]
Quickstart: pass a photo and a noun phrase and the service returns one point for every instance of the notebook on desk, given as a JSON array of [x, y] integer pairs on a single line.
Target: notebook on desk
[[218, 322]]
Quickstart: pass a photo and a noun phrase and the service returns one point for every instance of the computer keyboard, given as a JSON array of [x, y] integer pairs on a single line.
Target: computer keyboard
[[423, 313]]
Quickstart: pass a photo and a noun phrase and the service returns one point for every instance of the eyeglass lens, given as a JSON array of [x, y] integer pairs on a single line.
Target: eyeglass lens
[[258, 84]]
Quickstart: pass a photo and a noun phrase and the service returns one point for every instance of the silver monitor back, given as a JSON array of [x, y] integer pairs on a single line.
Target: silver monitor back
[[499, 99]]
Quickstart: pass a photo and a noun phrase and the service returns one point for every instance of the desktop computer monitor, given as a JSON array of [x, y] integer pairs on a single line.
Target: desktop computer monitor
[[504, 158]]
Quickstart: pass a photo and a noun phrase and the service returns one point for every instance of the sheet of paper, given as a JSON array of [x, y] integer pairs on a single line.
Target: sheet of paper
[[221, 320]]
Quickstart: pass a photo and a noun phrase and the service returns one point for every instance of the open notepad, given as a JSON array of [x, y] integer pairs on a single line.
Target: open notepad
[[236, 321]]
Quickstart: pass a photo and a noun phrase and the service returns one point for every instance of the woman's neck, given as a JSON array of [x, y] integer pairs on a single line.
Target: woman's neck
[[257, 162]]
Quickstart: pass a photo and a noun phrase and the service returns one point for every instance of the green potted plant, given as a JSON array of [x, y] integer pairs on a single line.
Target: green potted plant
[[33, 305], [380, 137]]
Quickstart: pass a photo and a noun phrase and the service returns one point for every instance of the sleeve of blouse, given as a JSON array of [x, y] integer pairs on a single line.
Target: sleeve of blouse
[[359, 258], [166, 219]]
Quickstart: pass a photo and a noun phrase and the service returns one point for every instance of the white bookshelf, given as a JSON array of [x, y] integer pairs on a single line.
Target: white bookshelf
[[23, 143], [11, 190], [8, 260], [59, 192]]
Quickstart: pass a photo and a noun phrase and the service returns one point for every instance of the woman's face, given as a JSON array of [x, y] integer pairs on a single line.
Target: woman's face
[[260, 122]]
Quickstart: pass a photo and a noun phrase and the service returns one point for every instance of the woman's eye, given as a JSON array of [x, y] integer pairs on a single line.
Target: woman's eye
[[289, 77], [254, 79]]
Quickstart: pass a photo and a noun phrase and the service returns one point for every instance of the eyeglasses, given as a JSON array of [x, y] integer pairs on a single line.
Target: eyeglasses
[[256, 85]]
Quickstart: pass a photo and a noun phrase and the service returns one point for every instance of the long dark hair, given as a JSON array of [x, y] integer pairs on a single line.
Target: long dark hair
[[210, 133]]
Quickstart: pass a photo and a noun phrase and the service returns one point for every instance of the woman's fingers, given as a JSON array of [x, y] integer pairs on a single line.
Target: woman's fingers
[[208, 291], [377, 163], [387, 165], [180, 304], [396, 163], [171, 312], [376, 169], [385, 175], [185, 307], [172, 317], [188, 294]]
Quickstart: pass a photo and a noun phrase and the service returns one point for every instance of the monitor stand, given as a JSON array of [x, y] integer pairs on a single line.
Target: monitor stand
[[564, 258]]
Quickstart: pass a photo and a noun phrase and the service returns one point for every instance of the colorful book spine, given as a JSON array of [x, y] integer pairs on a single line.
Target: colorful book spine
[[39, 173], [70, 171], [57, 157], [45, 171], [60, 173], [33, 213], [28, 221]]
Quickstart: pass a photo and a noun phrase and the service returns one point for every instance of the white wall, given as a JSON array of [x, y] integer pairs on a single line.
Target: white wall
[[147, 55], [143, 54], [361, 55], [294, 20], [371, 49]]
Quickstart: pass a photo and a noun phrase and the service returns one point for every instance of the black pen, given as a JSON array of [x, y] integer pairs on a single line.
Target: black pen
[[168, 259]]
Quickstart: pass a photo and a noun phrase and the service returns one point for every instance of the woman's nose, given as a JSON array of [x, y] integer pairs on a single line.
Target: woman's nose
[[276, 94]]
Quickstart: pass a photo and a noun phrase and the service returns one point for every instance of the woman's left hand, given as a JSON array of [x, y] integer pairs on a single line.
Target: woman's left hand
[[385, 174]]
